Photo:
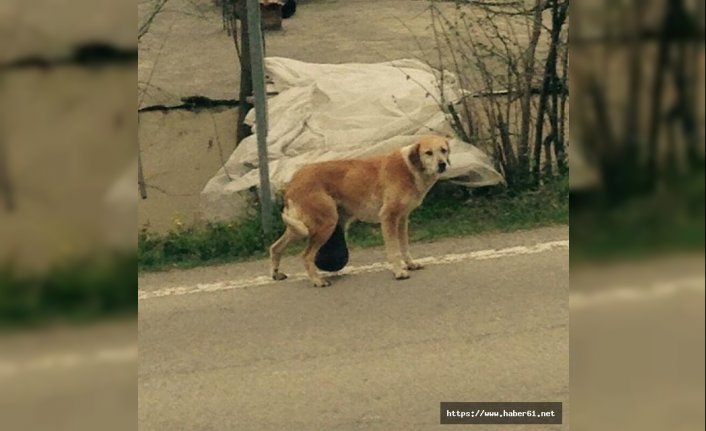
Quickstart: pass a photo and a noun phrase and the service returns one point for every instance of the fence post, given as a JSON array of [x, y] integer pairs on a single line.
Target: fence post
[[258, 81]]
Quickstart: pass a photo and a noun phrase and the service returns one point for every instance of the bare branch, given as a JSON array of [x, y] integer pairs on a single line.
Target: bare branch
[[147, 23], [220, 148]]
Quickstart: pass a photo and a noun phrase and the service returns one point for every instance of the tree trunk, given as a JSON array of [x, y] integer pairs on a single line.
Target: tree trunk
[[243, 130], [523, 146], [632, 109], [548, 85], [561, 158], [511, 170], [559, 14], [685, 105], [547, 172], [673, 19]]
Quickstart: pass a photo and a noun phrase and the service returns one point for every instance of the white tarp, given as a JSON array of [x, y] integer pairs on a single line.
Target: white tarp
[[335, 111]]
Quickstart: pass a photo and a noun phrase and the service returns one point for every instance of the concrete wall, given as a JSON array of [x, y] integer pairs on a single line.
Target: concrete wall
[[180, 153], [69, 134]]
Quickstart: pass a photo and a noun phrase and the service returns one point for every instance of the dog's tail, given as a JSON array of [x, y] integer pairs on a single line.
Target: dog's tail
[[289, 217]]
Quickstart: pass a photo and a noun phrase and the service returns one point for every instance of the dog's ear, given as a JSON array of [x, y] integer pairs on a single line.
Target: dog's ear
[[415, 159]]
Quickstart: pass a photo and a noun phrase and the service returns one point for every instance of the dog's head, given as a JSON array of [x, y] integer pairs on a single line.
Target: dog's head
[[431, 155]]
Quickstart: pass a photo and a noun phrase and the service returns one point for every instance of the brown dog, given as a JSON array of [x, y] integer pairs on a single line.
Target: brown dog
[[383, 189]]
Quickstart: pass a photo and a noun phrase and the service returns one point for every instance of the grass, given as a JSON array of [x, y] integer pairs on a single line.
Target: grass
[[671, 220], [75, 291], [448, 211]]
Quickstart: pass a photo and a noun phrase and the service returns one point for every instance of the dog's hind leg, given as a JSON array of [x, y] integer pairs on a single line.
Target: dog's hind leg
[[326, 216], [316, 240], [333, 255], [276, 252]]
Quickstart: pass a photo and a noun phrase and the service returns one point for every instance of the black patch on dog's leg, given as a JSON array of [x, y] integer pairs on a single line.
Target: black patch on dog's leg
[[288, 8], [333, 255]]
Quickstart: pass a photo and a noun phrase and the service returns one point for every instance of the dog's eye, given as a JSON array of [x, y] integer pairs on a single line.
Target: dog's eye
[[429, 153], [443, 151]]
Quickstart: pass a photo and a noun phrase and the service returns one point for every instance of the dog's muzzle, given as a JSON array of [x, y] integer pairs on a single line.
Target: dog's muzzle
[[442, 167]]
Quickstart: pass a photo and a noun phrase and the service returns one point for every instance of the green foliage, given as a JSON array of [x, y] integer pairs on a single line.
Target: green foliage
[[671, 220], [77, 290], [207, 243]]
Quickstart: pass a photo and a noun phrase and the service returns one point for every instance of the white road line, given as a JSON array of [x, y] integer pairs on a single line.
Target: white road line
[[617, 295], [70, 360], [375, 267], [614, 295]]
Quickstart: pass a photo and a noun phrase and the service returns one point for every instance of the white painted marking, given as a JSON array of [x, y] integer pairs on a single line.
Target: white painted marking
[[70, 360], [375, 267], [128, 354], [621, 294]]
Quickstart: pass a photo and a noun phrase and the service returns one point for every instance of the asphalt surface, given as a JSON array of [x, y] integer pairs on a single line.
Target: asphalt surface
[[637, 345], [69, 378], [221, 348], [373, 354]]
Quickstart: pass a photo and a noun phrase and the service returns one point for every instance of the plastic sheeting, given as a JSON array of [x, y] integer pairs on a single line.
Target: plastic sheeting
[[338, 111]]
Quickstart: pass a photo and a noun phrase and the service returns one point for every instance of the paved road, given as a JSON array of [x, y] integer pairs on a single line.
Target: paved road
[[373, 354], [637, 345], [222, 348], [69, 378]]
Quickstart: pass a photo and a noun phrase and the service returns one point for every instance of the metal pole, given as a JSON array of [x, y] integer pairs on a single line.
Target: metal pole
[[242, 130], [257, 61]]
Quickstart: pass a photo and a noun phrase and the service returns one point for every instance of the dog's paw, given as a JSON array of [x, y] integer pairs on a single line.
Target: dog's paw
[[278, 276], [413, 266], [321, 283], [402, 274]]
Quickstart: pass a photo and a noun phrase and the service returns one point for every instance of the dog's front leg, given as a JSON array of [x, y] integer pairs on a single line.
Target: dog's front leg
[[390, 220], [404, 246]]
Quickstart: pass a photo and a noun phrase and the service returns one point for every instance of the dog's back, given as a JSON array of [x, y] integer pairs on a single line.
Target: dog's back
[[350, 183]]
